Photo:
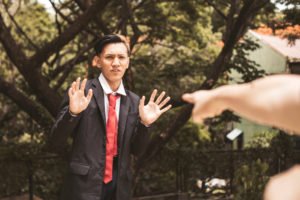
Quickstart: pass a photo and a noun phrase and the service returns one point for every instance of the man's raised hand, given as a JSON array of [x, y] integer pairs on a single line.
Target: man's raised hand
[[151, 112], [78, 101]]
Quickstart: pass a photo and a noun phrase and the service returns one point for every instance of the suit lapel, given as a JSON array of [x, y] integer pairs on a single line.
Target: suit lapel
[[99, 96], [124, 109]]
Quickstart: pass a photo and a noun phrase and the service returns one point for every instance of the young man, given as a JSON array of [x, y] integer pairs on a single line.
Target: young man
[[108, 123]]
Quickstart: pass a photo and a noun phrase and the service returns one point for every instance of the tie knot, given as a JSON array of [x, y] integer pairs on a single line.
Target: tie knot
[[112, 99]]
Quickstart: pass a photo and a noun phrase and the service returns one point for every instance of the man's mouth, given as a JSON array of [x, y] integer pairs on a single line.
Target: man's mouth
[[115, 70]]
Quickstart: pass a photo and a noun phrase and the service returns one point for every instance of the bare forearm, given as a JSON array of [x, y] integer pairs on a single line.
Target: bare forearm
[[274, 100]]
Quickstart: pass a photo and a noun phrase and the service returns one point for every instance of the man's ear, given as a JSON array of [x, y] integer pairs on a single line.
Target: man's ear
[[128, 64], [96, 61]]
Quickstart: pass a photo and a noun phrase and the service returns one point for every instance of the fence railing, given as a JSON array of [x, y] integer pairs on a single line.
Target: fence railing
[[42, 176]]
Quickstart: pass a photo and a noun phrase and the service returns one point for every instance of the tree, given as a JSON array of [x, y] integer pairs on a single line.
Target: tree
[[237, 17], [173, 42], [285, 23], [31, 66], [180, 45]]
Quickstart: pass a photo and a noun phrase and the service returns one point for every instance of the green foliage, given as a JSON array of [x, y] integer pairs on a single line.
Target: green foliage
[[175, 159], [250, 180], [283, 147], [248, 70], [36, 22], [178, 42], [293, 15], [291, 11], [21, 161], [268, 152], [262, 139], [171, 55]]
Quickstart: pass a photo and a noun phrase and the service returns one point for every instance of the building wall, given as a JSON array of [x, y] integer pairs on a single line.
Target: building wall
[[272, 62], [250, 128], [268, 58]]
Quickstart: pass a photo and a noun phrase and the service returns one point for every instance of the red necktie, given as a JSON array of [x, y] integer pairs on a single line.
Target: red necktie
[[111, 138]]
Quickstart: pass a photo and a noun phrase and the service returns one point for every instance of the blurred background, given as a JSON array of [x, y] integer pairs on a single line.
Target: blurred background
[[177, 46]]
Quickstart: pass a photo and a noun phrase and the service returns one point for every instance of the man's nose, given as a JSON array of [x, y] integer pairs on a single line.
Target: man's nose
[[116, 62]]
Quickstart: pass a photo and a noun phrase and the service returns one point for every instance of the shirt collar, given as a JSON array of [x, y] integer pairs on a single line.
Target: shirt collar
[[106, 88]]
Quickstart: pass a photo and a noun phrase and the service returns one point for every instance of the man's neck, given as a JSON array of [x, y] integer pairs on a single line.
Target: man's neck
[[109, 86], [114, 86]]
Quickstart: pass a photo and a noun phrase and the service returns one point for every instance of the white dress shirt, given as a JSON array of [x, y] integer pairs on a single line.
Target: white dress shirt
[[107, 90]]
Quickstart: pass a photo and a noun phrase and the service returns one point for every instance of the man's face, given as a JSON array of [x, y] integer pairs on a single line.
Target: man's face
[[114, 61]]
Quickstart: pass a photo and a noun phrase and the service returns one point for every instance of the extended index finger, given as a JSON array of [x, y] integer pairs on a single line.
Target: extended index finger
[[188, 97]]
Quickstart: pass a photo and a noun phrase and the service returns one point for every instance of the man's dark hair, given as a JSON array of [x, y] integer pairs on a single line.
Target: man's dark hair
[[109, 39]]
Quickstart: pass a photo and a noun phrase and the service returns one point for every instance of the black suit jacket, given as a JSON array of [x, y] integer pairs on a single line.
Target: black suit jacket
[[86, 166]]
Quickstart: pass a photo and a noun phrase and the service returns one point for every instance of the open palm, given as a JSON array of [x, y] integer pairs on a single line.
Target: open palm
[[151, 112], [78, 100]]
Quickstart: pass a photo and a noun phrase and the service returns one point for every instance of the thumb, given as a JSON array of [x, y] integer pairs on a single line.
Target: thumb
[[70, 92], [142, 102]]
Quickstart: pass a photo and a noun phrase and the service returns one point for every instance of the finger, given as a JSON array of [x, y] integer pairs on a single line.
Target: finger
[[160, 97], [77, 83], [70, 92], [73, 86], [162, 104], [142, 102], [82, 85], [153, 95], [188, 98], [90, 94], [166, 108]]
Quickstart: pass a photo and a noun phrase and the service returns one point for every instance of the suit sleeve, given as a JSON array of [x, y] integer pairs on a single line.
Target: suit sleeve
[[63, 127], [140, 140]]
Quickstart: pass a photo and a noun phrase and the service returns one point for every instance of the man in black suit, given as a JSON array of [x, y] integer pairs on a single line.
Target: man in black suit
[[107, 124]]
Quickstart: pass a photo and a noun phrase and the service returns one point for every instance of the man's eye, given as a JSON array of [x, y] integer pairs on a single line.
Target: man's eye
[[109, 57]]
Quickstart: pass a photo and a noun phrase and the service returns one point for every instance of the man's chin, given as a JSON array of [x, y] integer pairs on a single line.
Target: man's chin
[[115, 78]]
